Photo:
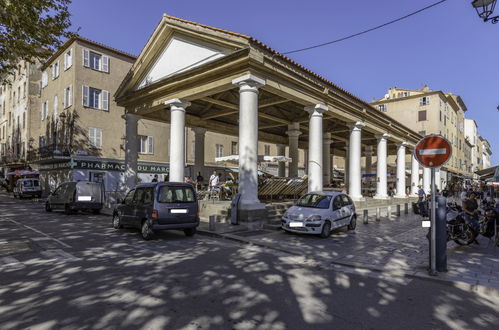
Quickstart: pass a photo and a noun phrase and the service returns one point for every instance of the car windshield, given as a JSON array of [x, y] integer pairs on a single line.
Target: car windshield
[[168, 194], [315, 201]]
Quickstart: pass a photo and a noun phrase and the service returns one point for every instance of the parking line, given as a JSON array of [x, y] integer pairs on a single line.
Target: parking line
[[46, 235]]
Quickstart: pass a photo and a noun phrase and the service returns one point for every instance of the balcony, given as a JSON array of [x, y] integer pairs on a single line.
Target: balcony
[[12, 159], [46, 152]]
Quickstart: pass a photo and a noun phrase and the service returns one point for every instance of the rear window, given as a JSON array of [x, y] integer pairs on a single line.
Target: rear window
[[31, 183], [176, 195], [315, 201]]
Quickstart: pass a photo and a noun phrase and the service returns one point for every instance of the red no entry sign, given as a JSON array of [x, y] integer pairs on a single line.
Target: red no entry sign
[[433, 151]]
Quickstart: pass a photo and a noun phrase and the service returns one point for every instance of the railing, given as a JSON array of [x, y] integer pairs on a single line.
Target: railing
[[46, 152], [9, 159]]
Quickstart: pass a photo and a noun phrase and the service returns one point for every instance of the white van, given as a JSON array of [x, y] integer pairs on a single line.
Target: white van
[[29, 187], [75, 196]]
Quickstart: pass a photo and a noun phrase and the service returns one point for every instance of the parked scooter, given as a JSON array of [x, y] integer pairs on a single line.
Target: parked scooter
[[489, 224], [457, 229]]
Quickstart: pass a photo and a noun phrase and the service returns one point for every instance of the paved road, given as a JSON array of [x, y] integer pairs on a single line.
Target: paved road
[[67, 272]]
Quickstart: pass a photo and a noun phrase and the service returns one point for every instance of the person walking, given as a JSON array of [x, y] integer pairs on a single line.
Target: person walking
[[155, 179], [199, 181], [470, 208], [421, 194], [214, 180]]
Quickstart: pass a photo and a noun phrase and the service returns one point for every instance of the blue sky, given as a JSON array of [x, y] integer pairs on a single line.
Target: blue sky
[[446, 47]]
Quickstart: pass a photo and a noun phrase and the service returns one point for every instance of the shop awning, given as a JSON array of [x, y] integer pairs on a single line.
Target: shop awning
[[261, 159], [23, 173]]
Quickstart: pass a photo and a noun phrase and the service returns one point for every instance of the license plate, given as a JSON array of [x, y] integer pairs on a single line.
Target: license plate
[[84, 198], [296, 224], [426, 224], [178, 211]]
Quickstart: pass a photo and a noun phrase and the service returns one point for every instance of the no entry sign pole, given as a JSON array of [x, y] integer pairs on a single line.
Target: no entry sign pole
[[432, 152]]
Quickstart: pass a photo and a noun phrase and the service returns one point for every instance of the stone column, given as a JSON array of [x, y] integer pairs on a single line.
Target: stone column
[[438, 182], [305, 161], [346, 167], [293, 132], [354, 168], [131, 150], [248, 146], [414, 176], [427, 180], [381, 182], [281, 166], [326, 158], [369, 159], [199, 135], [177, 138], [401, 170], [315, 142]]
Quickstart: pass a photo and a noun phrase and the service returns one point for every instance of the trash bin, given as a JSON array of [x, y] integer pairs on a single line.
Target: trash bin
[[234, 212]]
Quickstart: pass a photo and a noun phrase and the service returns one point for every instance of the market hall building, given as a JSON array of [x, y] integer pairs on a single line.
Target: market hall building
[[209, 79]]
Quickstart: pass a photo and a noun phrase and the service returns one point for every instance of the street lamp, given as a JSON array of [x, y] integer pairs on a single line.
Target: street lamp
[[484, 9]]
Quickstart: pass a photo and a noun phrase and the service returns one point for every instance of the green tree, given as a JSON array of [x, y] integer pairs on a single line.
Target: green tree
[[30, 29]]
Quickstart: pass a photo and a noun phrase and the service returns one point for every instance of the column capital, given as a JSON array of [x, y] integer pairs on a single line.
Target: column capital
[[249, 80], [293, 133], [369, 149], [384, 136], [177, 104], [316, 108], [402, 144], [358, 125], [131, 117], [199, 130]]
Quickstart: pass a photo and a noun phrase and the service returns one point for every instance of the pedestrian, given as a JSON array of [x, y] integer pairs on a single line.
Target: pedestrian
[[199, 181], [214, 180], [470, 208], [421, 194], [155, 179]]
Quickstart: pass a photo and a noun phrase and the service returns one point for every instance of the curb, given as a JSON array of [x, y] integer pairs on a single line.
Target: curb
[[412, 274]]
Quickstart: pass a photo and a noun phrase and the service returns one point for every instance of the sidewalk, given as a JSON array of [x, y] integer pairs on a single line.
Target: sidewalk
[[397, 247]]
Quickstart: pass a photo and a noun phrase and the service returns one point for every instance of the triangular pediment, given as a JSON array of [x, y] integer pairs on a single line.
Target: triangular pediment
[[181, 54]]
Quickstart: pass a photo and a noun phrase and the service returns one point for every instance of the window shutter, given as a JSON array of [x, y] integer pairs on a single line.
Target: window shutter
[[65, 63], [151, 144], [105, 63], [86, 58], [41, 112], [56, 100], [53, 71], [70, 58], [85, 91], [99, 137], [70, 95], [105, 100], [64, 101], [58, 68]]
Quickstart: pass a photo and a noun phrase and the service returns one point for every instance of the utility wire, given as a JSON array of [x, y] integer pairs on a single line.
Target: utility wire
[[365, 31]]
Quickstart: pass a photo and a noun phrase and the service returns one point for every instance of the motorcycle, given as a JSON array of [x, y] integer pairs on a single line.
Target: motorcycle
[[457, 228], [489, 224]]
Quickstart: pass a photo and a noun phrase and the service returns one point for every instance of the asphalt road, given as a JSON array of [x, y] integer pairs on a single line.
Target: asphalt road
[[77, 272]]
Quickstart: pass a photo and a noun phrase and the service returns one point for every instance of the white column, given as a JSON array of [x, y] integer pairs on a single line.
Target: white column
[[369, 159], [346, 167], [177, 138], [326, 158], [381, 182], [199, 135], [131, 150], [293, 133], [315, 143], [305, 161], [281, 166], [401, 170], [354, 168], [438, 182], [414, 176], [248, 141], [427, 180]]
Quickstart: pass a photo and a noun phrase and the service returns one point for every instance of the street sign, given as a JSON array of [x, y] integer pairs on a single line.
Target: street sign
[[433, 151]]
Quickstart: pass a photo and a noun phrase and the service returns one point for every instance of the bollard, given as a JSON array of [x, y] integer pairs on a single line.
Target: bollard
[[398, 210], [406, 208], [212, 223], [366, 217], [377, 214], [389, 212]]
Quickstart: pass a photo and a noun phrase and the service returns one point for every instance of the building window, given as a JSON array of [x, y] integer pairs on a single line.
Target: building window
[[193, 149], [423, 133], [219, 150], [42, 141], [382, 107], [95, 61], [55, 70], [44, 111], [56, 101], [266, 150], [24, 90], [425, 100], [422, 115], [68, 59], [68, 97], [234, 149], [44, 79], [24, 120], [95, 98], [405, 94], [95, 137], [146, 144]]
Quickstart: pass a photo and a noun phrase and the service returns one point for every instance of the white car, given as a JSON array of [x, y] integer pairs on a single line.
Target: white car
[[319, 213]]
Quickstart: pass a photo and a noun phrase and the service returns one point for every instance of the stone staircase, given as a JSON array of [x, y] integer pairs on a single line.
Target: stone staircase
[[274, 214]]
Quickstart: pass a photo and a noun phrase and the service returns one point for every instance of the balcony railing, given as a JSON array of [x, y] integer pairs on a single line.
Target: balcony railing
[[46, 152]]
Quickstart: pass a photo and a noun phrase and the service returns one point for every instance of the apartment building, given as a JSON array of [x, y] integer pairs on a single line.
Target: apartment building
[[486, 152], [79, 128], [18, 108], [432, 112]]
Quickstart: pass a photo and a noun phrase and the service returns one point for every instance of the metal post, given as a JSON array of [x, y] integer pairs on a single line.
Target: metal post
[[212, 223], [406, 208], [389, 212], [398, 210], [377, 214], [366, 217], [433, 241]]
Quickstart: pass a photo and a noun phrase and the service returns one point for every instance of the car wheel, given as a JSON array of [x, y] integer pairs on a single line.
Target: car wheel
[[189, 231], [146, 231], [353, 223], [326, 230], [117, 221], [67, 209], [47, 207]]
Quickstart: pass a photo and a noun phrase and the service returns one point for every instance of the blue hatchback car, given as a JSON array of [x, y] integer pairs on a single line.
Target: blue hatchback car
[[158, 206]]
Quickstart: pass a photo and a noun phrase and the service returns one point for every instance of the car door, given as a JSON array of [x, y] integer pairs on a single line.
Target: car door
[[56, 197], [336, 207], [136, 203], [126, 209], [144, 205], [346, 210]]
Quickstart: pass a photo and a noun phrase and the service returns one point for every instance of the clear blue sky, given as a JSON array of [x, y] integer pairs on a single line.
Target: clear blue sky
[[446, 47]]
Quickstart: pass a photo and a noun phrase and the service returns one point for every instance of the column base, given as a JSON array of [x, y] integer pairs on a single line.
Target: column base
[[402, 196], [359, 198], [381, 197], [255, 213]]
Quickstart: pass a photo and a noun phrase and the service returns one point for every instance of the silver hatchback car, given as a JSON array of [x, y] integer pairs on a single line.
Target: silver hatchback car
[[319, 213]]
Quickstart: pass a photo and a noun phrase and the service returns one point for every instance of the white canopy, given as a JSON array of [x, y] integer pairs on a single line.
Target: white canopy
[[261, 159]]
